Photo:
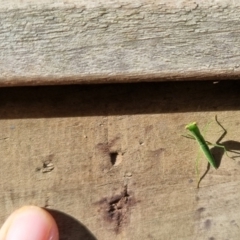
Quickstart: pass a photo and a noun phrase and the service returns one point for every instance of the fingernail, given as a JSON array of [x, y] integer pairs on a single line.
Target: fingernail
[[31, 223]]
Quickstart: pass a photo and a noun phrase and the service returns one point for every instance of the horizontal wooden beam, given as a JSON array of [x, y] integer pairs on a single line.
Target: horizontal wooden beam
[[55, 42]]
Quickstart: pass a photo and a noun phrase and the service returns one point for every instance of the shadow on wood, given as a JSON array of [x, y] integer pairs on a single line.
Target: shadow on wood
[[231, 146], [118, 99], [70, 228]]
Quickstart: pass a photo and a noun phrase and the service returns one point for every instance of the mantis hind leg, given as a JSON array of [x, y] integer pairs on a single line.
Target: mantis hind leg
[[200, 179], [221, 137], [224, 130], [197, 170]]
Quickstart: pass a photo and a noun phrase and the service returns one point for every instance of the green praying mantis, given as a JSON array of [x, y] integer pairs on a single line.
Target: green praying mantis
[[196, 134]]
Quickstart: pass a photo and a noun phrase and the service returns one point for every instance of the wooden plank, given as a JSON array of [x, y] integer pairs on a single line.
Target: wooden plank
[[56, 42], [111, 163]]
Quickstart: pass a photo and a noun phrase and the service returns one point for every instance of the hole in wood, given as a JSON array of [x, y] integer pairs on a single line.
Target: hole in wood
[[115, 158]]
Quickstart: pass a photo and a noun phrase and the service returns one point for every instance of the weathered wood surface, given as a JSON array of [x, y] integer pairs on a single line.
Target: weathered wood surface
[[49, 42], [111, 162]]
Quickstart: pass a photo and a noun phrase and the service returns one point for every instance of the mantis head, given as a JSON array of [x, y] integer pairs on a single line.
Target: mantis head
[[191, 126]]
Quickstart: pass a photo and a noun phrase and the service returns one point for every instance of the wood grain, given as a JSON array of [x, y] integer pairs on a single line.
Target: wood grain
[[64, 42], [110, 162]]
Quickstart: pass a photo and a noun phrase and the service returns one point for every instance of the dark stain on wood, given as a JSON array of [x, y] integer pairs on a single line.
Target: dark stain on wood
[[116, 209]]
